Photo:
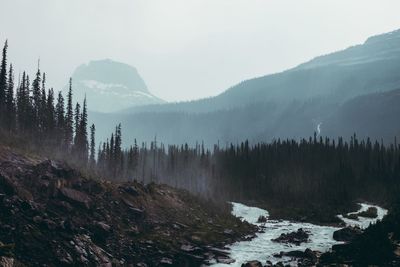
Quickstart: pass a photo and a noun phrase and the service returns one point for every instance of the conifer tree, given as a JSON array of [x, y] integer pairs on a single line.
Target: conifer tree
[[60, 119], [92, 160], [20, 104], [36, 102], [118, 160], [43, 113], [111, 154], [83, 136], [77, 118], [32, 115], [68, 128], [3, 83], [50, 115], [9, 102]]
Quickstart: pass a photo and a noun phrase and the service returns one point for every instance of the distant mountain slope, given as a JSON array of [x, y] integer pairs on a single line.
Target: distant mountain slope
[[349, 91], [111, 86], [370, 67], [374, 115]]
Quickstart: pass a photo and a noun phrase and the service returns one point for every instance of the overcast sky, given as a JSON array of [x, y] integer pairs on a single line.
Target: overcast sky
[[187, 49]]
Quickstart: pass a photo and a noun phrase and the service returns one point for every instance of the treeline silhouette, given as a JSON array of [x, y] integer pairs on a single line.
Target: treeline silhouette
[[30, 113], [314, 173]]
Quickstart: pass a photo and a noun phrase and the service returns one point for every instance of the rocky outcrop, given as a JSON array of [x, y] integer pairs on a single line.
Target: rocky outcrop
[[76, 196], [51, 215], [371, 212], [262, 219], [307, 257], [252, 264], [298, 237], [347, 234]]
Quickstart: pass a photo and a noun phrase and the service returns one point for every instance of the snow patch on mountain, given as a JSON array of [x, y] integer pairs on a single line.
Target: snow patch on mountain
[[111, 86]]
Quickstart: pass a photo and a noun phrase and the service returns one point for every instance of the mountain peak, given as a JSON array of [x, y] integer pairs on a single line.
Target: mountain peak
[[110, 71], [111, 86]]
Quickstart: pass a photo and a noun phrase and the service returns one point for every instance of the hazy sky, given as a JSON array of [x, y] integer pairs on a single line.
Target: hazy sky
[[187, 49]]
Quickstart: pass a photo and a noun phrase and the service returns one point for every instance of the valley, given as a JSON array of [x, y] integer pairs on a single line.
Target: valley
[[297, 166]]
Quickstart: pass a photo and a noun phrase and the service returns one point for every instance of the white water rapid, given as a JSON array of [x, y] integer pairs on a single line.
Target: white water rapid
[[262, 248]]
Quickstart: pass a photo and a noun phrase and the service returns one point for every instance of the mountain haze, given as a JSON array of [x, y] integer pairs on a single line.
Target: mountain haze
[[361, 69], [111, 86], [290, 104]]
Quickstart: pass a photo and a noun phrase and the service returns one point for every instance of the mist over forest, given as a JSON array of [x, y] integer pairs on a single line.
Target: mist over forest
[[345, 92], [117, 148]]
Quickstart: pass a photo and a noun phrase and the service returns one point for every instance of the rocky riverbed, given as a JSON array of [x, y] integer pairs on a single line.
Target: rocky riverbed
[[291, 243]]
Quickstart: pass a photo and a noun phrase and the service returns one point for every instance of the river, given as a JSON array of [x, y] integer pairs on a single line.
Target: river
[[261, 247]]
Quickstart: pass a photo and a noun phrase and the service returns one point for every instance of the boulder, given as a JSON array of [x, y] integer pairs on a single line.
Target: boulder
[[137, 212], [371, 212], [347, 234], [225, 260], [188, 248], [88, 252], [76, 196], [298, 237], [252, 264], [262, 219], [306, 258], [7, 184], [6, 262], [312, 255], [218, 251], [295, 254], [228, 232], [50, 168], [351, 216], [166, 262], [131, 190]]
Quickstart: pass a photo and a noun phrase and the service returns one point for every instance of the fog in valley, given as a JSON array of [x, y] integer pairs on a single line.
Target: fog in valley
[[199, 133]]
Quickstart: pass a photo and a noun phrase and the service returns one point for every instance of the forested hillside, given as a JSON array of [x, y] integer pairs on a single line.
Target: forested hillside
[[330, 172], [290, 104], [303, 176]]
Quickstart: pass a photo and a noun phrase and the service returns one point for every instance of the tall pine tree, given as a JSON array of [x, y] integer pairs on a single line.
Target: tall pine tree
[[3, 83], [50, 117], [68, 128], [83, 136], [92, 160], [36, 103], [10, 111], [77, 120], [60, 120]]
